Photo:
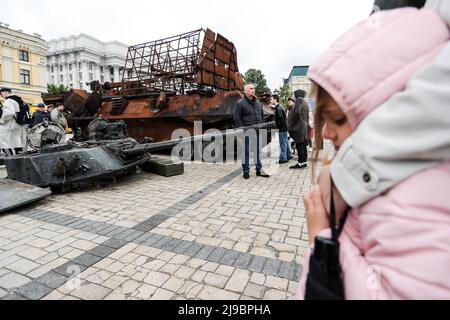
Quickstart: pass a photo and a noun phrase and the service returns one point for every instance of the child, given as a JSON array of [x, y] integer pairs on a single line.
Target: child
[[395, 246]]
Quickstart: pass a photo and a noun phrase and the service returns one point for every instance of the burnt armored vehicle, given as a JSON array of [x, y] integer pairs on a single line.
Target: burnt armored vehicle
[[56, 164], [166, 85], [108, 152]]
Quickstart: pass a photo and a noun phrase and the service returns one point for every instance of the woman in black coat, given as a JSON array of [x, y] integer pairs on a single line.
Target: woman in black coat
[[298, 128]]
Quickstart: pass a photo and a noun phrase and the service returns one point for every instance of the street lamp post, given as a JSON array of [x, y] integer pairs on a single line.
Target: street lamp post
[[277, 92]]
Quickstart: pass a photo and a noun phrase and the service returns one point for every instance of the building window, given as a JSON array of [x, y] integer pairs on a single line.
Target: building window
[[24, 76], [71, 77], [60, 67], [71, 86], [90, 66], [91, 77], [23, 55], [61, 77], [102, 69], [102, 79], [53, 79], [130, 73], [80, 75], [79, 65], [52, 69], [81, 85], [70, 67], [111, 71]]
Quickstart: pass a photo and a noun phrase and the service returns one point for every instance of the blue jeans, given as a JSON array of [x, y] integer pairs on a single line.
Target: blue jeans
[[246, 157], [285, 150]]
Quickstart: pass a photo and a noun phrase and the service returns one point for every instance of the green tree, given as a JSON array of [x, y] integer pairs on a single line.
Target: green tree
[[258, 79], [54, 89], [285, 94]]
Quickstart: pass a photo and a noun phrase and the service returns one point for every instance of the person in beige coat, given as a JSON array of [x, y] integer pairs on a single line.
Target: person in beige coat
[[12, 135]]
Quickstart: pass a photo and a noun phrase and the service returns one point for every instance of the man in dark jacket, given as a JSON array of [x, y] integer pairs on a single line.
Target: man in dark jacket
[[282, 126], [39, 115], [298, 128], [249, 111]]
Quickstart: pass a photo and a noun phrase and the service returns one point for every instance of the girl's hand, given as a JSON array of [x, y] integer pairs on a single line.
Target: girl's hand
[[316, 214]]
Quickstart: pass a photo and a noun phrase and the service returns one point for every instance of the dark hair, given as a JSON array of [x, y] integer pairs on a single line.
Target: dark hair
[[276, 97], [58, 104], [300, 93], [393, 4]]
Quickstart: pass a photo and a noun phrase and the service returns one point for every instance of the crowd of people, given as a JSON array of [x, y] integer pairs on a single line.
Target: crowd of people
[[16, 120], [293, 123]]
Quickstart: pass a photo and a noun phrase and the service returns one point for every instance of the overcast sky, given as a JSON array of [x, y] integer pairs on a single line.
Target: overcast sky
[[270, 35]]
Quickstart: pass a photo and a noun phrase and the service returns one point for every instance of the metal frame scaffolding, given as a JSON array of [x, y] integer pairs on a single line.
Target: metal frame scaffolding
[[182, 63]]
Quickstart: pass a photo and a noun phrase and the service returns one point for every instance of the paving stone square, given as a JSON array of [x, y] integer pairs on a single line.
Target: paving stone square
[[206, 234]]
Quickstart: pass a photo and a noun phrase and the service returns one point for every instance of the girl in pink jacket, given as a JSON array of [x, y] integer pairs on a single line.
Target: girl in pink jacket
[[396, 246]]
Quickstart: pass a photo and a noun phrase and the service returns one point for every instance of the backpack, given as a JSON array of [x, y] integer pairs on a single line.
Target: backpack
[[23, 116]]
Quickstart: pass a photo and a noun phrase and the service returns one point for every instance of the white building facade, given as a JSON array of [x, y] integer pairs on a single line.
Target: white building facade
[[297, 79], [77, 60]]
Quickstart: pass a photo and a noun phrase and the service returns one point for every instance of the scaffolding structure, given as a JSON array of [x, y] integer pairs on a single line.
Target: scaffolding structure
[[196, 60]]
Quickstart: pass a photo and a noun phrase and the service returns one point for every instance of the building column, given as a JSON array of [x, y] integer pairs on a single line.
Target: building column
[[116, 74], [95, 75], [66, 73], [97, 72], [55, 72], [75, 73], [100, 74], [60, 73], [49, 74], [107, 73], [85, 71]]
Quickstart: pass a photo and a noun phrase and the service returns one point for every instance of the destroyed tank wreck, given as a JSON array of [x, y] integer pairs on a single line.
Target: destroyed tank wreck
[[108, 153], [56, 164], [167, 84]]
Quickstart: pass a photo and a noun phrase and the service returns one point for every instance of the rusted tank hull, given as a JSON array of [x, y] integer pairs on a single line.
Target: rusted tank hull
[[163, 129], [145, 119]]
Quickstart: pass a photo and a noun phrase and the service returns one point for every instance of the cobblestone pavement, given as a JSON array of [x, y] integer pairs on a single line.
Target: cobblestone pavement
[[207, 234]]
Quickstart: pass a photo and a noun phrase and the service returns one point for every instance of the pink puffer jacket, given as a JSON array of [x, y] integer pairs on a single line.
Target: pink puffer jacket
[[396, 246]]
